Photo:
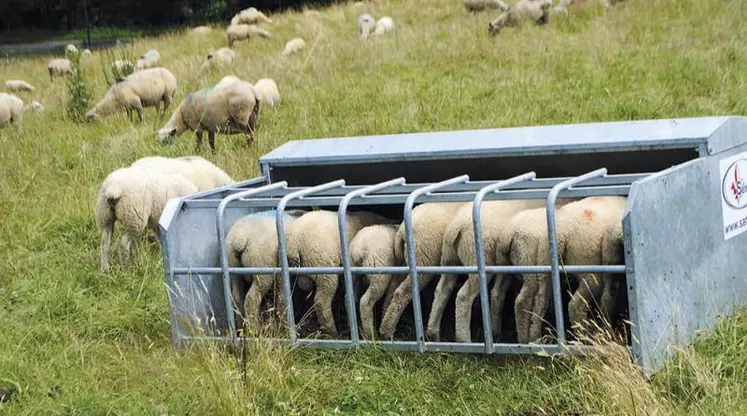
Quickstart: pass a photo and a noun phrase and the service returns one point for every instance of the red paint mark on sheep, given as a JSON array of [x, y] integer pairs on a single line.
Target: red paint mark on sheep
[[589, 214]]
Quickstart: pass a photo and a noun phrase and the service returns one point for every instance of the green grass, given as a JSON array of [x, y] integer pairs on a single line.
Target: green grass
[[77, 341]]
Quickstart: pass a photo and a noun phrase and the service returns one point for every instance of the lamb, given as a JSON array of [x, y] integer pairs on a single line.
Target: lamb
[[294, 45], [230, 108], [244, 32], [314, 241], [373, 246], [197, 170], [149, 59], [429, 222], [366, 25], [384, 26], [59, 67], [587, 232], [252, 242], [267, 92], [250, 16], [71, 49], [136, 197], [11, 110], [201, 30], [146, 88], [458, 248], [221, 57], [15, 85], [538, 11], [480, 5]]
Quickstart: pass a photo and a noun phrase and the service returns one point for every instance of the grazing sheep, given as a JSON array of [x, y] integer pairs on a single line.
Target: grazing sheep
[[373, 246], [244, 32], [537, 11], [384, 26], [221, 57], [35, 107], [582, 227], [146, 88], [15, 85], [122, 67], [459, 249], [227, 80], [314, 241], [86, 54], [366, 25], [136, 197], [197, 170], [58, 67], [149, 59], [267, 92], [250, 16], [71, 49], [429, 222], [231, 107], [201, 30], [294, 45], [11, 110], [252, 242], [480, 5]]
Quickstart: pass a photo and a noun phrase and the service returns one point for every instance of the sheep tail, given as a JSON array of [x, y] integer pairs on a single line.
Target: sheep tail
[[399, 245], [108, 198]]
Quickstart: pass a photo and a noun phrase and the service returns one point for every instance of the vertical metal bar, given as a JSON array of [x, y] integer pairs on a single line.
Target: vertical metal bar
[[283, 250], [552, 237], [480, 252], [416, 308], [342, 225], [221, 227]]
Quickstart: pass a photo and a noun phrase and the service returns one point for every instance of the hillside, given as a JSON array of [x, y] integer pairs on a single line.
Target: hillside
[[74, 340]]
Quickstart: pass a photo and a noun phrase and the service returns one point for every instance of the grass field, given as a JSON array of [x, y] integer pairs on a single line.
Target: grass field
[[77, 341]]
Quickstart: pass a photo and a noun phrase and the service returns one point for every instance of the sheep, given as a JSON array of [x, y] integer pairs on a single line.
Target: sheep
[[458, 248], [201, 30], [244, 32], [227, 80], [221, 57], [267, 92], [58, 67], [383, 26], [586, 229], [34, 107], [429, 222], [122, 67], [562, 7], [136, 197], [252, 242], [537, 11], [11, 110], [71, 49], [197, 170], [149, 59], [366, 25], [250, 16], [86, 54], [314, 241], [16, 85], [373, 246], [480, 5], [294, 45], [146, 88], [230, 108]]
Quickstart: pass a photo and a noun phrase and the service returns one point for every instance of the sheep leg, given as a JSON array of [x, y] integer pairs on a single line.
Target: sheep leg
[[326, 286], [237, 293], [139, 110], [400, 300], [377, 287], [497, 302], [606, 303], [588, 291], [211, 140], [198, 143], [524, 305], [129, 113], [495, 26], [440, 299], [125, 247], [106, 242], [394, 283], [465, 298], [261, 285]]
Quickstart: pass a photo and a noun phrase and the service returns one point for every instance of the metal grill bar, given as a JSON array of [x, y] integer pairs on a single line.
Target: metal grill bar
[[342, 224], [403, 270]]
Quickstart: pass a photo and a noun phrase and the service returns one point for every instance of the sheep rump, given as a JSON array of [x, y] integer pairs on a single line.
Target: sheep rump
[[197, 170], [11, 110], [267, 92]]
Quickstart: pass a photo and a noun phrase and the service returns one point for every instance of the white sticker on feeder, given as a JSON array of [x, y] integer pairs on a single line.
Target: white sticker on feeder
[[734, 194]]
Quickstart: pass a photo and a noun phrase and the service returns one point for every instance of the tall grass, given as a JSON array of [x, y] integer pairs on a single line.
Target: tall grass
[[74, 340]]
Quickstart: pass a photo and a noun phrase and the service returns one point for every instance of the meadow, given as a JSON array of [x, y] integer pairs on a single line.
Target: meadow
[[76, 341]]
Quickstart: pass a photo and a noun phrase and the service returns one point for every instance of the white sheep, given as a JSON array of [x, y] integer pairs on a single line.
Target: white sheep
[[16, 85], [244, 32], [314, 241], [142, 89], [59, 67], [121, 67], [136, 197], [480, 5], [201, 30], [11, 110], [294, 45], [227, 80], [267, 92], [383, 26], [537, 11], [373, 246], [250, 16], [366, 25], [222, 57], [252, 242], [34, 107], [562, 7], [230, 108], [86, 54], [71, 49], [429, 222], [582, 227], [458, 249], [197, 170], [149, 59]]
